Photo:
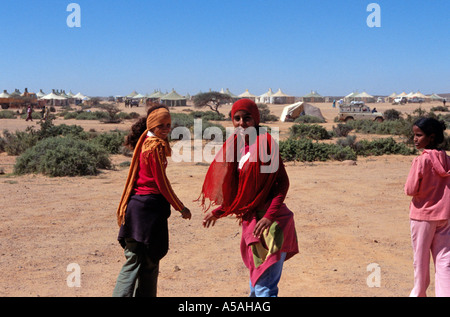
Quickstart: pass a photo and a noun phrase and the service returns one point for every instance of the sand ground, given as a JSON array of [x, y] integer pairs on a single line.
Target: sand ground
[[350, 218]]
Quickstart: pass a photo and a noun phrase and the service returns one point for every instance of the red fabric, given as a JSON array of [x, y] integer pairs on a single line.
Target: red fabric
[[278, 194], [286, 224], [239, 195], [246, 105], [152, 178]]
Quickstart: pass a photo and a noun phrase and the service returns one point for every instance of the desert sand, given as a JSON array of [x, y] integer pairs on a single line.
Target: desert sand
[[350, 217]]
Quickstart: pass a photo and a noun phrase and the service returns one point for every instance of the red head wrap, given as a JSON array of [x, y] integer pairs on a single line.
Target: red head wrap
[[248, 106]]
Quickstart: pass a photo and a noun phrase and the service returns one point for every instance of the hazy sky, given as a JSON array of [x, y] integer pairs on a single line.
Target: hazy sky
[[198, 45]]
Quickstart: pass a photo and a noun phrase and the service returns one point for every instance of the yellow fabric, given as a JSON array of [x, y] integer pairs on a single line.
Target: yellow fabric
[[157, 117]]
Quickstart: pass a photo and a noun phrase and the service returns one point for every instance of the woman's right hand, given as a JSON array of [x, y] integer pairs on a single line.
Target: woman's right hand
[[186, 213], [209, 219]]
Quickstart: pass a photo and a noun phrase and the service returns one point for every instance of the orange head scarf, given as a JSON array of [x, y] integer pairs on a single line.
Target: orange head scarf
[[145, 145]]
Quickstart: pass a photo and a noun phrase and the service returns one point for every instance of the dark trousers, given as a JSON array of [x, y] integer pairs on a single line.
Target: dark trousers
[[139, 275]]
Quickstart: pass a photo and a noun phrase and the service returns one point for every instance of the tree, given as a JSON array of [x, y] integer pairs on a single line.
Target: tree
[[212, 99], [112, 110]]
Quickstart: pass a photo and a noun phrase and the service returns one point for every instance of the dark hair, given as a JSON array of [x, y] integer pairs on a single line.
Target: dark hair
[[140, 126], [431, 126]]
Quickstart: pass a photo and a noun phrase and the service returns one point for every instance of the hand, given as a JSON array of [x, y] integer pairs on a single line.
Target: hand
[[209, 219], [186, 213], [262, 225]]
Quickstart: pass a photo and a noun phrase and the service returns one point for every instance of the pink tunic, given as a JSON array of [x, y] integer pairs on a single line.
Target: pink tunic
[[428, 183]]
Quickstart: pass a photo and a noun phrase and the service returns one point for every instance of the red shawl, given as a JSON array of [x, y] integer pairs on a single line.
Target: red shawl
[[239, 192]]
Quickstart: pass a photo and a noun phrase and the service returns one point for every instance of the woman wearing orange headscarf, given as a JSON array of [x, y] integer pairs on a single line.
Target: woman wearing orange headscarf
[[145, 206], [247, 179]]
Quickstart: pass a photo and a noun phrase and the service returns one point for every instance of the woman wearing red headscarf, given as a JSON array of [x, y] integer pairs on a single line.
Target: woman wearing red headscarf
[[247, 179]]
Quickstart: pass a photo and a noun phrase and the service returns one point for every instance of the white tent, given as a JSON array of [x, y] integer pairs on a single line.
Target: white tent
[[139, 96], [229, 93], [420, 95], [364, 96], [53, 96], [267, 97], [134, 93], [351, 96], [55, 100], [436, 97], [297, 109], [280, 97], [80, 96], [247, 94], [40, 94], [4, 94]]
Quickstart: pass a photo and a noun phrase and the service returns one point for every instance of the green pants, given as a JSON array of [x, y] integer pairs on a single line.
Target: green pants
[[139, 275]]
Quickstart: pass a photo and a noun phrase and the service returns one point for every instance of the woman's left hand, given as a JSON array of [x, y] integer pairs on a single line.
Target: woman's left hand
[[262, 225]]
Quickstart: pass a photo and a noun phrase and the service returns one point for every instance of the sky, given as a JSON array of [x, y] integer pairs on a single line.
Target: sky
[[195, 46]]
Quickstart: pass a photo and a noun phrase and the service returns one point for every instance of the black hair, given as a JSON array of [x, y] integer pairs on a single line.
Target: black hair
[[431, 126], [140, 126]]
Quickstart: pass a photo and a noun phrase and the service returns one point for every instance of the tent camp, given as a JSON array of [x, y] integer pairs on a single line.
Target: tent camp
[[4, 94], [55, 100], [313, 96], [247, 94], [80, 96], [420, 95], [435, 97], [281, 98], [155, 96], [131, 95], [267, 96], [391, 97], [40, 94], [229, 93], [298, 109], [173, 99], [364, 96], [351, 96]]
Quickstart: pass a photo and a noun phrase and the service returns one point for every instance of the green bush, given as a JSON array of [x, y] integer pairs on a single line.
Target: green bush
[[264, 113], [48, 129], [207, 115], [381, 147], [112, 142], [349, 141], [181, 120], [7, 114], [392, 114], [207, 124], [84, 115], [439, 108], [309, 119], [19, 141], [342, 130], [128, 116], [311, 131], [63, 156], [306, 150], [393, 127]]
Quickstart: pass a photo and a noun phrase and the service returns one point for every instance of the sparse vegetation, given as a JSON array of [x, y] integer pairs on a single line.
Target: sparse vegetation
[[63, 156], [43, 150]]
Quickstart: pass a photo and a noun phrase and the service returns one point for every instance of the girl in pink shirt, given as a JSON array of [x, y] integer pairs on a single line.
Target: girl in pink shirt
[[429, 185]]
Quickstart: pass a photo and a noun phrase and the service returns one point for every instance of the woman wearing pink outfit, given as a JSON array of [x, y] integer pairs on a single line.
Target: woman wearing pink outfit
[[429, 185]]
